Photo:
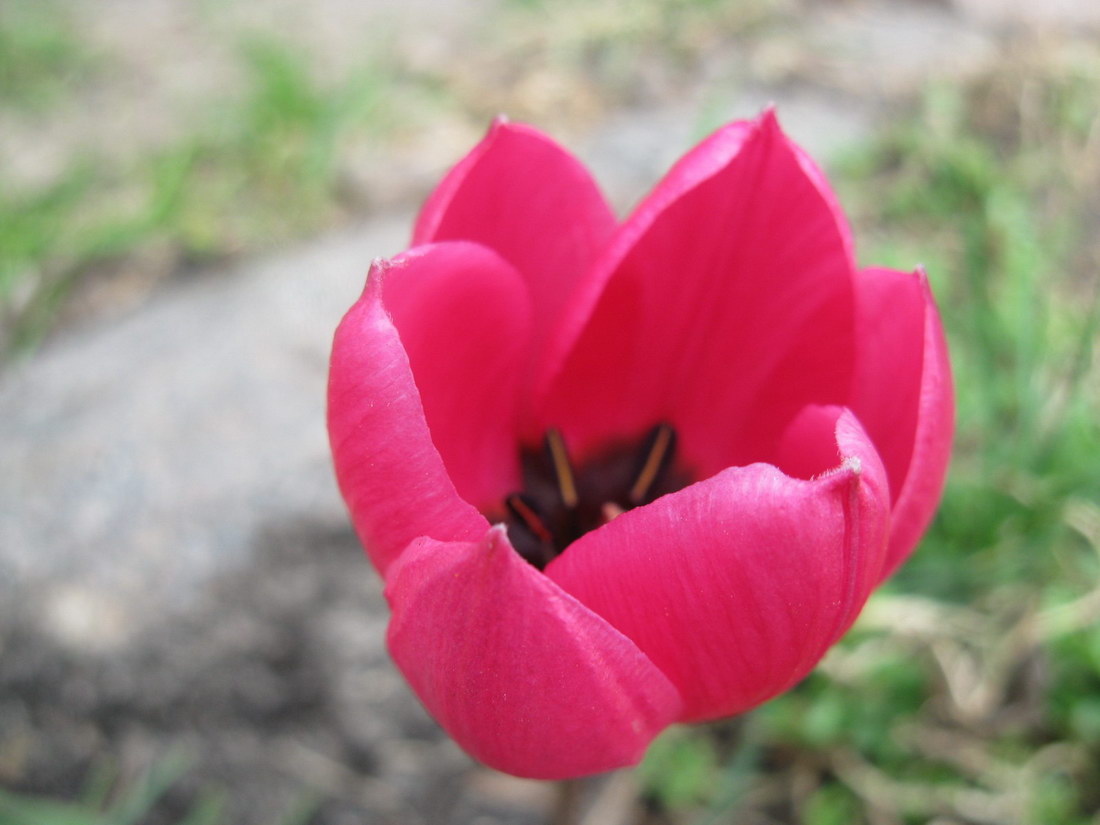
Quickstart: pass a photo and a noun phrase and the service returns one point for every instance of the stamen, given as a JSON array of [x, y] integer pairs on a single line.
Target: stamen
[[660, 451], [560, 502], [563, 470], [521, 509]]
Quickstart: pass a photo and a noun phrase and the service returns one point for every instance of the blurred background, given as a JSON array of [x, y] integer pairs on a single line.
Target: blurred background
[[190, 194]]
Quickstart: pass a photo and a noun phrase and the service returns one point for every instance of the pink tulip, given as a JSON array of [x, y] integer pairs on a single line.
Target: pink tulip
[[617, 475]]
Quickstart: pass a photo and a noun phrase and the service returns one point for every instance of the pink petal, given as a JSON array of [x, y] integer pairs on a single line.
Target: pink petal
[[422, 399], [464, 318], [723, 306], [808, 445], [522, 194], [519, 673], [903, 395], [737, 585]]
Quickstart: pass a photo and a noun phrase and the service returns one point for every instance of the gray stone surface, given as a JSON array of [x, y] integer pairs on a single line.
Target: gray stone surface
[[143, 454], [1044, 13], [886, 49]]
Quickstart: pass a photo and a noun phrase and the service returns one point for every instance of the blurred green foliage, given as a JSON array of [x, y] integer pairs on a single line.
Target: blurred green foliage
[[264, 167], [40, 55], [108, 799], [1013, 221], [102, 803]]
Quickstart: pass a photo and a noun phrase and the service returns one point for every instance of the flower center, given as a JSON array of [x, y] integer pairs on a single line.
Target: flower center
[[559, 503]]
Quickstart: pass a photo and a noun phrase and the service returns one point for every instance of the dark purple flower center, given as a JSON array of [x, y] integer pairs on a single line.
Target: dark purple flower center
[[561, 502]]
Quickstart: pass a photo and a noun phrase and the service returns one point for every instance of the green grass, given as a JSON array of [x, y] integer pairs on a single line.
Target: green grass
[[264, 168], [107, 799], [41, 56], [104, 801]]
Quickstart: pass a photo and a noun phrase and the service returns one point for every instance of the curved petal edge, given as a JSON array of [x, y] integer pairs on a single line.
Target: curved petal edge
[[388, 470], [919, 494], [463, 314], [722, 306], [519, 673], [737, 585], [524, 196]]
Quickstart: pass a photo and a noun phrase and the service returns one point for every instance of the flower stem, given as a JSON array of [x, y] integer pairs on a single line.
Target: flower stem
[[567, 799]]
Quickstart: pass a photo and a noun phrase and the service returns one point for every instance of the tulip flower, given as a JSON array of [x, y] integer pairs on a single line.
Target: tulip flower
[[622, 475]]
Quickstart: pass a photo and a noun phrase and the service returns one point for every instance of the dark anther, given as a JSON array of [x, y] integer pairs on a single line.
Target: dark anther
[[560, 501]]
